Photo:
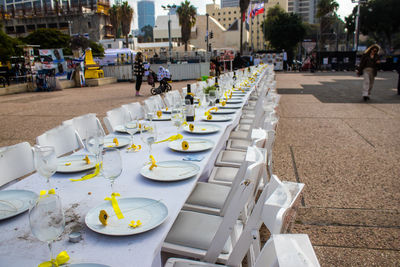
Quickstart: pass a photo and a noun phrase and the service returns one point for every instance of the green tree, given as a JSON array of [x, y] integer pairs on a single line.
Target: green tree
[[187, 19], [8, 46], [350, 27], [115, 20], [326, 12], [97, 49], [126, 15], [243, 4], [147, 33], [283, 30], [48, 38], [379, 19]]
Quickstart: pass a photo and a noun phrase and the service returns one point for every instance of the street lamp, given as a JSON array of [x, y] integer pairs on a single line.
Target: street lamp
[[169, 7], [356, 35]]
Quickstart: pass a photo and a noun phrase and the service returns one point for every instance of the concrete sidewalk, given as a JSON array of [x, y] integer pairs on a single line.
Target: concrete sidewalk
[[347, 153]]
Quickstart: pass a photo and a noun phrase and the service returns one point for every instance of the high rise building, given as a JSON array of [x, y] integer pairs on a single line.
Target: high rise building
[[306, 9], [229, 3], [145, 11]]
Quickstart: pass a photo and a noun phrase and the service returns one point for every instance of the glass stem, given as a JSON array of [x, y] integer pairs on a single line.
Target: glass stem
[[112, 186], [49, 244]]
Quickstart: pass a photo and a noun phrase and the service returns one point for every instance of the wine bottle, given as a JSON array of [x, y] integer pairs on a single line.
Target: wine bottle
[[189, 105], [217, 90]]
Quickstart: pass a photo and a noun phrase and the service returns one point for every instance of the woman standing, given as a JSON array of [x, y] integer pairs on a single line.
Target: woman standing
[[138, 70], [369, 69]]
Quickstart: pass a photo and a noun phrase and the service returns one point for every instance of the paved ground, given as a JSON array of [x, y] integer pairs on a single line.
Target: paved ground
[[347, 152]]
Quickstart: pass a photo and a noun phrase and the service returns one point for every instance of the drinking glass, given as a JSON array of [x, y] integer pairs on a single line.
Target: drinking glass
[[112, 165], [131, 126], [46, 219], [45, 161], [95, 142], [177, 118], [213, 97], [148, 133]]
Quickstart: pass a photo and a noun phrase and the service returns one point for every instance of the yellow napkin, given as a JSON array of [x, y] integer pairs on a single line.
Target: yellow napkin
[[61, 258], [114, 204], [89, 176], [44, 192], [171, 138], [153, 163], [135, 148]]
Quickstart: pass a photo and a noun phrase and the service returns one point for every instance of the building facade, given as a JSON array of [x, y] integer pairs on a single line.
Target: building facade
[[229, 3], [70, 17], [306, 9], [146, 14]]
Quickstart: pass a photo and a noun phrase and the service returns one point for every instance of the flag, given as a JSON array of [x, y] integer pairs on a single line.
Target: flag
[[248, 14], [258, 9]]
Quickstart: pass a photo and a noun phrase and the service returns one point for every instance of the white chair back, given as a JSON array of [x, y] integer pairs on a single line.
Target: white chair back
[[15, 161], [135, 109], [115, 117], [83, 124], [63, 138]]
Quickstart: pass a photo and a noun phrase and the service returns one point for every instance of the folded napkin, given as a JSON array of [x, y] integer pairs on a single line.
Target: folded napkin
[[89, 176], [171, 138], [114, 204], [61, 258]]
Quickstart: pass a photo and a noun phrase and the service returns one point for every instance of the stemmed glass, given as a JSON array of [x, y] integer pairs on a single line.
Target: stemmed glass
[[45, 161], [131, 126], [177, 118], [112, 165], [46, 219], [95, 143], [213, 97], [148, 133]]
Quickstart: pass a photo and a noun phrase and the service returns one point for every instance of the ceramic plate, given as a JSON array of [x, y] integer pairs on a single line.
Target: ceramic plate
[[75, 163], [229, 106], [202, 128], [85, 265], [234, 101], [172, 170], [166, 111], [223, 111], [122, 141], [150, 212], [195, 145], [14, 202], [218, 118]]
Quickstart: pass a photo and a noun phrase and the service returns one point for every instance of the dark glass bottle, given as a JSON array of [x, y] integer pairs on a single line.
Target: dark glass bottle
[[217, 89], [189, 105]]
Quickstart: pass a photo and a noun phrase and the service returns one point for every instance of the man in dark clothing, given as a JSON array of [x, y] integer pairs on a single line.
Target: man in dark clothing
[[238, 62], [138, 71]]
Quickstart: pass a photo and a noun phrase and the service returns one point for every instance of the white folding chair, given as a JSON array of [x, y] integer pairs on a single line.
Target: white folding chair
[[213, 198], [115, 117], [135, 109], [15, 161], [83, 124], [63, 138], [209, 237]]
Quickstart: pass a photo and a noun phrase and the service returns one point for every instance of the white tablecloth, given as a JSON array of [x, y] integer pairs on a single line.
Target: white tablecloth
[[18, 247]]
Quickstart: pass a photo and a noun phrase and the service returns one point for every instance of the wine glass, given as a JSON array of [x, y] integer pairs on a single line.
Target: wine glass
[[213, 97], [131, 126], [148, 133], [95, 142], [176, 118], [112, 165], [45, 161], [46, 219]]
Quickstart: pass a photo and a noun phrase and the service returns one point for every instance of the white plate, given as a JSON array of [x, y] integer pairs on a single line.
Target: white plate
[[223, 111], [202, 128], [14, 202], [150, 212], [172, 170], [162, 118], [85, 265], [166, 111], [229, 106], [239, 94], [77, 163], [195, 145], [122, 141], [233, 101], [218, 118], [121, 129]]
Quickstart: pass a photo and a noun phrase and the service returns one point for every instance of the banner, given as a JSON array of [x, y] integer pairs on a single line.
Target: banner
[[53, 59]]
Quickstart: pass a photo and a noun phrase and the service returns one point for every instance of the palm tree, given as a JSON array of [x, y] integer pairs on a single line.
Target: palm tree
[[114, 19], [126, 15], [244, 4], [187, 19], [326, 11]]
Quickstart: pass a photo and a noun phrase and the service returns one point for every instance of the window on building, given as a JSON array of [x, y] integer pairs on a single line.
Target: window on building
[[229, 18], [63, 25], [219, 19], [224, 19], [20, 29], [109, 46], [213, 14], [234, 12], [229, 12], [219, 13], [89, 24], [30, 27]]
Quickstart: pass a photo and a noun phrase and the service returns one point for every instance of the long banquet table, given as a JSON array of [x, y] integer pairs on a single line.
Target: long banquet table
[[18, 247]]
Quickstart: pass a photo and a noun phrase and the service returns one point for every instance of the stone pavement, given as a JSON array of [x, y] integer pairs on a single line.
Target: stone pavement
[[347, 152]]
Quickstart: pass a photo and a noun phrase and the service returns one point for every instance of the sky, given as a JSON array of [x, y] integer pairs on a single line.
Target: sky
[[345, 6]]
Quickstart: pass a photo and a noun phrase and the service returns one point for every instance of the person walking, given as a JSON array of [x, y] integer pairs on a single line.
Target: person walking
[[369, 69], [138, 71]]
